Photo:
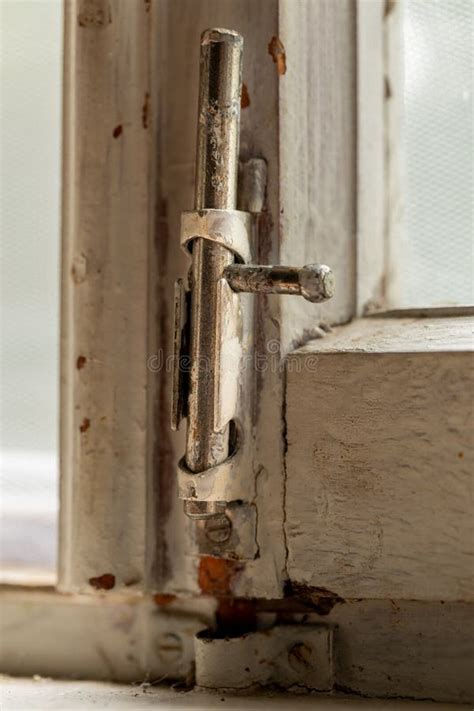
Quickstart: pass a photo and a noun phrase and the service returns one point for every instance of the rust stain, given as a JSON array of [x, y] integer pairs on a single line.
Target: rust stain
[[117, 131], [103, 582], [244, 97], [276, 50], [86, 423], [461, 455], [321, 600], [147, 5], [389, 7], [94, 13], [146, 110], [236, 616], [387, 89], [80, 362], [216, 575], [162, 599]]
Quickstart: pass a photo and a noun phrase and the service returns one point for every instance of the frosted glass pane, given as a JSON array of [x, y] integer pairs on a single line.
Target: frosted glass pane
[[31, 45], [438, 135]]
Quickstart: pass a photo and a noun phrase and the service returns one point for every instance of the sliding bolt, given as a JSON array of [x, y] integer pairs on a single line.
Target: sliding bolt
[[216, 188], [315, 282]]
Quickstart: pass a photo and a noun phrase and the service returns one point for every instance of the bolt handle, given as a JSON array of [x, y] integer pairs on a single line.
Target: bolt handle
[[315, 282]]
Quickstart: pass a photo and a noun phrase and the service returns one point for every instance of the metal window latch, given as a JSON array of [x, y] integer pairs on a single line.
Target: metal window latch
[[212, 316]]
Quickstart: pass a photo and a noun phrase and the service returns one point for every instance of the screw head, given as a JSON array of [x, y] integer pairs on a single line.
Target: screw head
[[218, 529], [169, 647], [300, 657], [316, 282]]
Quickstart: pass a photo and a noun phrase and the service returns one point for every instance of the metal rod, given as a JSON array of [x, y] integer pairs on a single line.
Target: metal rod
[[216, 188], [315, 282]]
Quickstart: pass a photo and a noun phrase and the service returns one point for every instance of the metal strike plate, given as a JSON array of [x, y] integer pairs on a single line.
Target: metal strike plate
[[288, 656]]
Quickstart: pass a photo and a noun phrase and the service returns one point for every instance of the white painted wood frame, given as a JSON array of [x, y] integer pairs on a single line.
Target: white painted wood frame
[[130, 98], [379, 493], [109, 198], [319, 113]]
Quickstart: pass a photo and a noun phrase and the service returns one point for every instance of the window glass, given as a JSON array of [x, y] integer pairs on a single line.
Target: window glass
[[438, 155], [31, 45]]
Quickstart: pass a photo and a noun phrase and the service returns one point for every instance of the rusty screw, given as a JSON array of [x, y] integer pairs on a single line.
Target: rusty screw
[[299, 657], [218, 529]]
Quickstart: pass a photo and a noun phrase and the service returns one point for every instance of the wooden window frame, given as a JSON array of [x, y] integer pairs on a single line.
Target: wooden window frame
[[333, 195]]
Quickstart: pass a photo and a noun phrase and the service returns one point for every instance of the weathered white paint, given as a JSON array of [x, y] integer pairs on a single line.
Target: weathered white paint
[[380, 460], [317, 154], [371, 157], [108, 221], [311, 212], [382, 648], [405, 649], [130, 131], [118, 638]]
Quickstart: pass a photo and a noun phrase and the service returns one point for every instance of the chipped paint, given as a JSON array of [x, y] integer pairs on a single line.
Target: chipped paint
[[94, 13], [276, 50], [163, 599], [216, 575], [85, 424], [244, 97], [106, 581], [320, 600], [146, 110]]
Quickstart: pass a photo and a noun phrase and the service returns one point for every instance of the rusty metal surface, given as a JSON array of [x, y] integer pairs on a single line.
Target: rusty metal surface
[[315, 282], [216, 187], [227, 228]]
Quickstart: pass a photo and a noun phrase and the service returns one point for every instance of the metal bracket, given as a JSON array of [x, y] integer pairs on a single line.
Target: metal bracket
[[288, 656], [213, 384]]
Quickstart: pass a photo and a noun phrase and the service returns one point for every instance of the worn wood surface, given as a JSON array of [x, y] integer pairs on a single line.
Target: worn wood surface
[[317, 155], [380, 461], [371, 156], [108, 201], [119, 638], [381, 648], [54, 694], [404, 649]]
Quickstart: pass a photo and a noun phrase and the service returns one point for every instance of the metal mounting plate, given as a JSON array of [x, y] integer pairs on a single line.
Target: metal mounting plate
[[289, 656]]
